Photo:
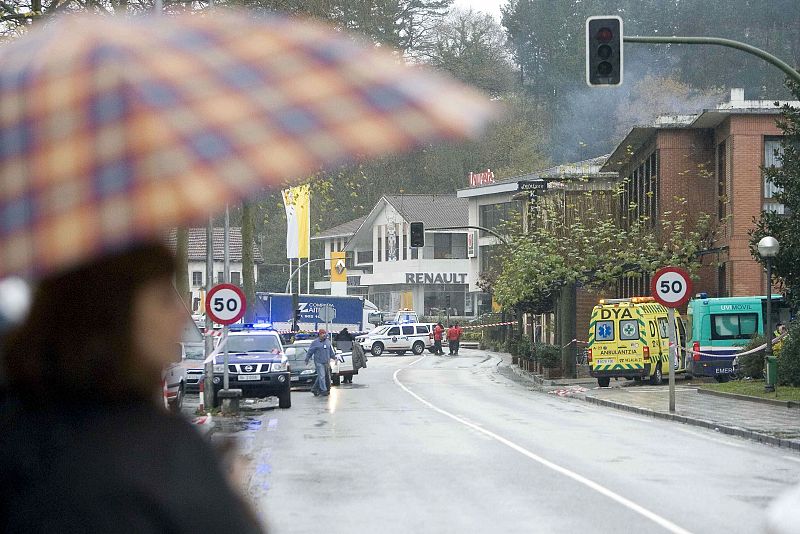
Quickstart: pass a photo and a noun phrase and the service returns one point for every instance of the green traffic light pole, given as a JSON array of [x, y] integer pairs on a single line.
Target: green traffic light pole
[[766, 56]]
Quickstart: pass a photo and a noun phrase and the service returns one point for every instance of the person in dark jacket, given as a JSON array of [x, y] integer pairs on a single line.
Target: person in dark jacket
[[87, 443]]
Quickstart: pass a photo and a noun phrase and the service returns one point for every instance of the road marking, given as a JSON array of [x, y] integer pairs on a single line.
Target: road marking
[[416, 361], [667, 524]]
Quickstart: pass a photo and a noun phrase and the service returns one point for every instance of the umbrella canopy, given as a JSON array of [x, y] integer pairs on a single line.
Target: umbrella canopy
[[112, 129]]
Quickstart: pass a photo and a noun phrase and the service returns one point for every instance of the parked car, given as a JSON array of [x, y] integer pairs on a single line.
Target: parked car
[[302, 373], [397, 339]]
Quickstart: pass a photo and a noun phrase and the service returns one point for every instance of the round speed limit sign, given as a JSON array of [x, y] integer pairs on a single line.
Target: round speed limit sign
[[671, 286], [225, 304]]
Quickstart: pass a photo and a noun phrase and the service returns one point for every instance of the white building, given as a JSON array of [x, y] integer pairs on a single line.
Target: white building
[[383, 267], [197, 260]]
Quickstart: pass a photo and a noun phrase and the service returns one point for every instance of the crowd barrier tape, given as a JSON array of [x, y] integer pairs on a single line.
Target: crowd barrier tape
[[735, 355], [467, 327], [576, 341]]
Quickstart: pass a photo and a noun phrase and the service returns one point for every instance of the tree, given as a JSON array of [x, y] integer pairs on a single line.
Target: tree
[[784, 226]]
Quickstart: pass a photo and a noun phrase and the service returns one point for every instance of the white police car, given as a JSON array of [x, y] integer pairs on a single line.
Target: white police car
[[396, 338]]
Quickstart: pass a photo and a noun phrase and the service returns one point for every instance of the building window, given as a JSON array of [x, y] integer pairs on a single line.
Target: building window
[[414, 253], [405, 241], [722, 180], [492, 216], [380, 244], [442, 246], [445, 300], [236, 278], [364, 256], [773, 157], [195, 304], [197, 278], [489, 258], [220, 277]]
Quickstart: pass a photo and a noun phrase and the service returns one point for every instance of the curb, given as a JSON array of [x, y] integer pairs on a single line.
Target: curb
[[739, 396], [729, 430]]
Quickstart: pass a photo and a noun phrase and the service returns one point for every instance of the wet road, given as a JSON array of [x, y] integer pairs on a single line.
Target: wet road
[[442, 444]]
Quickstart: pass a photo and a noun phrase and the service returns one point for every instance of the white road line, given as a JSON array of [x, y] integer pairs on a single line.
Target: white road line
[[415, 361], [668, 525], [792, 458]]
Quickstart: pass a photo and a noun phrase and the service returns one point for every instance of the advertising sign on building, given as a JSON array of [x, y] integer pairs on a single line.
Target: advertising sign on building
[[481, 178], [472, 238]]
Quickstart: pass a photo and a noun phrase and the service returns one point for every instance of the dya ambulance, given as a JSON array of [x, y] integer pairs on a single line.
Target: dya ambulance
[[628, 338]]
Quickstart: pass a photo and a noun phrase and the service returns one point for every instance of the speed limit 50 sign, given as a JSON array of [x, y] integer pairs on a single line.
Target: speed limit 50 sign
[[671, 286], [225, 304]]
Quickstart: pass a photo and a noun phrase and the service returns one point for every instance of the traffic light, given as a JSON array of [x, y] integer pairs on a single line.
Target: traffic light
[[603, 51], [296, 323], [417, 234]]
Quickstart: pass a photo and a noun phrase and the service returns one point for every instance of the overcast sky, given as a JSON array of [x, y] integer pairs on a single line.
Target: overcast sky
[[487, 6]]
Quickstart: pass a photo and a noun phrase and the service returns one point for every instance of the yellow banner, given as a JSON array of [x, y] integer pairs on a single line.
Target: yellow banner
[[297, 203], [338, 269]]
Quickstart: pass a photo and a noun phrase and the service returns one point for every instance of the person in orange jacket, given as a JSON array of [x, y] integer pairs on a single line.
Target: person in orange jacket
[[438, 334], [454, 338]]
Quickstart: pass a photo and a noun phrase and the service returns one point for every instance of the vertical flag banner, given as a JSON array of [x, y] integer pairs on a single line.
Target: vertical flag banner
[[297, 203]]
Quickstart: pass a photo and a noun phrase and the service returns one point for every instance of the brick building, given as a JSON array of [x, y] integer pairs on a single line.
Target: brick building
[[705, 163]]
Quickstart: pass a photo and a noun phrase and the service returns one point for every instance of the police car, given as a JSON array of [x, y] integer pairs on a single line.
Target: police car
[[396, 338], [256, 364]]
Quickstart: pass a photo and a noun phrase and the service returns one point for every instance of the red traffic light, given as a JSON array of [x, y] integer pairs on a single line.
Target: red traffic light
[[604, 35]]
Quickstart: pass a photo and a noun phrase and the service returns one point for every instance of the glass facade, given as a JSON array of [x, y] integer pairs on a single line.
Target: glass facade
[[492, 216], [445, 300]]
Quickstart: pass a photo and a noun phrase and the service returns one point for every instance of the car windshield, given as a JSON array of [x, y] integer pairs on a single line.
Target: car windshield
[[254, 343], [194, 352], [296, 353]]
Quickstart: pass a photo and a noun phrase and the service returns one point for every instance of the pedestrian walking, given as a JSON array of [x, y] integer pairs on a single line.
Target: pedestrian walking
[[438, 333], [87, 444], [322, 353], [344, 340]]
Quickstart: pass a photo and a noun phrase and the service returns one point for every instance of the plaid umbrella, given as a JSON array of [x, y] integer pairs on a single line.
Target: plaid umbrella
[[113, 129]]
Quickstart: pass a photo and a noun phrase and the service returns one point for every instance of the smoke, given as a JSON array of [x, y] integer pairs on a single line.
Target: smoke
[[589, 122]]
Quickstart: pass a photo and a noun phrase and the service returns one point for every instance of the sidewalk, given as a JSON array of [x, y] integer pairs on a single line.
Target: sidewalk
[[765, 423]]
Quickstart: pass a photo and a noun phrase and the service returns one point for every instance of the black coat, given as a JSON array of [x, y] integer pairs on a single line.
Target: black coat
[[131, 468]]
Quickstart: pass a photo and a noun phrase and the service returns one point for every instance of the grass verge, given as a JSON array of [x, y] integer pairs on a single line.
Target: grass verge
[[755, 388]]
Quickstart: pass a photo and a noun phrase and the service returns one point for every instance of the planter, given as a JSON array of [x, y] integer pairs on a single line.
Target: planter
[[552, 372]]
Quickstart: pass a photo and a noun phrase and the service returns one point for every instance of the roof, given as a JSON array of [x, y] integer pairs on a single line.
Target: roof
[[588, 169], [433, 210], [343, 230], [197, 245], [707, 119]]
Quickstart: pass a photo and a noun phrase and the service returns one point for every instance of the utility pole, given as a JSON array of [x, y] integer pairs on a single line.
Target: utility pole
[[209, 346]]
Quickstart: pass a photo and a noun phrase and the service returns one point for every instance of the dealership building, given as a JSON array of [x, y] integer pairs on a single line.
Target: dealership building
[[382, 265]]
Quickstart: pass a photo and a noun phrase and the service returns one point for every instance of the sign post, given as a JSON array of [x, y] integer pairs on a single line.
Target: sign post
[[225, 304], [671, 287]]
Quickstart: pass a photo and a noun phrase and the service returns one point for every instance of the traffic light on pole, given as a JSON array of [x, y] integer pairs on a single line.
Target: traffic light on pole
[[603, 51], [417, 235]]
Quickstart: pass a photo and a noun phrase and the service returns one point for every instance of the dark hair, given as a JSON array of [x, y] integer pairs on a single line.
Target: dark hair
[[76, 343]]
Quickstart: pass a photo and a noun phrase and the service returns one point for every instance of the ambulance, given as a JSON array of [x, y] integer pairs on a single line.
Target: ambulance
[[628, 338]]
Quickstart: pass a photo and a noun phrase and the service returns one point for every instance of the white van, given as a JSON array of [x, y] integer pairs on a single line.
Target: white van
[[396, 338]]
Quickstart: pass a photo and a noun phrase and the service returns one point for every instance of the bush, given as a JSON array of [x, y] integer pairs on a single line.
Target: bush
[[548, 355], [789, 358], [752, 365]]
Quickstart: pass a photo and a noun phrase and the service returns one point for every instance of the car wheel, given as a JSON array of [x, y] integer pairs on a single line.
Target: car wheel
[[336, 379], [377, 349], [656, 378], [177, 403], [603, 382], [418, 348], [285, 398]]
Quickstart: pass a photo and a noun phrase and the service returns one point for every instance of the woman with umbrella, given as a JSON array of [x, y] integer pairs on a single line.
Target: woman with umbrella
[[113, 130]]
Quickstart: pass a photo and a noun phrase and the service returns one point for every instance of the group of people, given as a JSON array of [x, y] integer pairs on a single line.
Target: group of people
[[453, 338]]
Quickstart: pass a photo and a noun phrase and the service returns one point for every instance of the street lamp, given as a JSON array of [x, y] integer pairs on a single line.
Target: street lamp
[[768, 248]]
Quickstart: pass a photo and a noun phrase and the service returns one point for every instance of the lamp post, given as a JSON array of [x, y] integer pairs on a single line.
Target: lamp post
[[768, 248]]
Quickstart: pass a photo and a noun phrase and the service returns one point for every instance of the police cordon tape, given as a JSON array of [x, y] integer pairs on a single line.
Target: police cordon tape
[[467, 327], [744, 353]]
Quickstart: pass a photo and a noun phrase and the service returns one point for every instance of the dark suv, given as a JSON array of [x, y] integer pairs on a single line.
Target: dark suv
[[256, 364]]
